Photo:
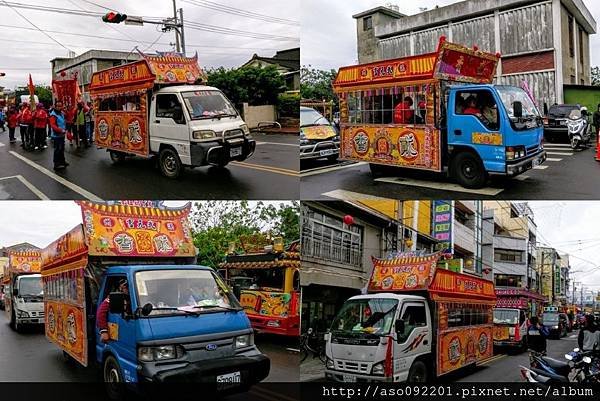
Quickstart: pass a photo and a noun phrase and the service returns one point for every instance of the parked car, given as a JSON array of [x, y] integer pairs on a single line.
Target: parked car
[[555, 126], [556, 323], [318, 138]]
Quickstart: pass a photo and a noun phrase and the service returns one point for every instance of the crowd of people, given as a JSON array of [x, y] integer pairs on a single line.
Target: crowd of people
[[75, 124]]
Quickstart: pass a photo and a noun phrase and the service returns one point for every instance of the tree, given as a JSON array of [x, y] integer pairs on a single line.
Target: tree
[[44, 93], [317, 84], [596, 76], [217, 223], [253, 85]]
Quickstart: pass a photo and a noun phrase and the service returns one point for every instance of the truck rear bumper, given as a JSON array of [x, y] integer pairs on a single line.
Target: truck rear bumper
[[218, 152]]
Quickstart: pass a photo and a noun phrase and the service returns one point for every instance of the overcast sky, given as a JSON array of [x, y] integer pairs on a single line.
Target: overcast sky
[[329, 31], [27, 50]]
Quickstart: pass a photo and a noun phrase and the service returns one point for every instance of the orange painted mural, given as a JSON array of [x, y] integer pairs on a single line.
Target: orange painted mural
[[124, 131], [500, 333], [463, 346], [65, 326], [319, 132], [403, 273], [25, 262], [403, 146], [265, 303]]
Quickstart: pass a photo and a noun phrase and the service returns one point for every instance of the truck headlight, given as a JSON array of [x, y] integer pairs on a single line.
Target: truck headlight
[[244, 341], [515, 152], [22, 313], [329, 364], [204, 134], [511, 331], [245, 128], [378, 369], [161, 353]]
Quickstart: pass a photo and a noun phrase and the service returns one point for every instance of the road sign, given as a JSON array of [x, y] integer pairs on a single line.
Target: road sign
[[131, 20]]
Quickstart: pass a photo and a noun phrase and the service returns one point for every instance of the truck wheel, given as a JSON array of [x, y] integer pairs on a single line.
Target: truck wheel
[[417, 373], [117, 157], [113, 379], [169, 162], [468, 170]]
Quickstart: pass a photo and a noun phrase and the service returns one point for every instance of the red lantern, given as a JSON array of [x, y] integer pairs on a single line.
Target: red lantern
[[498, 55], [348, 220], [62, 73], [475, 48], [442, 38]]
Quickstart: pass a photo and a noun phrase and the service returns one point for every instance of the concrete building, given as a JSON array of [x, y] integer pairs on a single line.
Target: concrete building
[[553, 276], [90, 62], [23, 246], [544, 42], [287, 63]]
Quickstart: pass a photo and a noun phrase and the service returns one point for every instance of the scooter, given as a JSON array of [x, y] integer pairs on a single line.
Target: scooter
[[549, 370], [579, 129]]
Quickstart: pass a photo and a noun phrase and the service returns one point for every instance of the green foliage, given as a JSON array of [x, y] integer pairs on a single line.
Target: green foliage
[[317, 84], [44, 94], [596, 76], [252, 85], [288, 105], [217, 223]]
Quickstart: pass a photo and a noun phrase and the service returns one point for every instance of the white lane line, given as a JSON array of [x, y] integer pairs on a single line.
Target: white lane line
[[66, 183], [342, 194], [552, 159], [444, 186], [521, 177], [329, 169], [277, 143], [1, 144], [29, 186], [560, 153], [540, 167], [557, 145]]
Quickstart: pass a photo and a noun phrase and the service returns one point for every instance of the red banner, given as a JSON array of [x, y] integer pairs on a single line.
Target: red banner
[[408, 273], [66, 92]]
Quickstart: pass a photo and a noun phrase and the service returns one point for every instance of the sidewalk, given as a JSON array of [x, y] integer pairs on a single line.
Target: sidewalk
[[312, 369]]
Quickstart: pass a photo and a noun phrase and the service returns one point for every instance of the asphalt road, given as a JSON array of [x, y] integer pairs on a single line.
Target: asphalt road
[[566, 175], [270, 174], [30, 357]]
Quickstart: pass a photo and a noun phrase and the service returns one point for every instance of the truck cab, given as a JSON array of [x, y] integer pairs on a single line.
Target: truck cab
[[26, 304], [380, 337], [176, 323], [510, 328], [196, 125]]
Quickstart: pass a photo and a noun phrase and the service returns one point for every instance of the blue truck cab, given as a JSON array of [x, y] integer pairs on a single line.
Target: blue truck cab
[[491, 130], [174, 323]]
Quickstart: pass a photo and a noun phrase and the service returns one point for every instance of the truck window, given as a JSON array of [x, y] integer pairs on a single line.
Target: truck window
[[414, 315], [167, 106], [480, 104], [388, 105], [467, 315], [120, 103]]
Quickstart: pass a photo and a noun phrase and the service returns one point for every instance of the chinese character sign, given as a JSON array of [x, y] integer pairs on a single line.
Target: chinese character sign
[[442, 222]]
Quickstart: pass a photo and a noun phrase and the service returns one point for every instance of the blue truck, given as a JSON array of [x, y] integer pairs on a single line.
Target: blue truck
[[147, 317]]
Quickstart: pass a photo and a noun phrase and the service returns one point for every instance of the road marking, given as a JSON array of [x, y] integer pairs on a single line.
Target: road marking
[[492, 359], [551, 159], [277, 143], [556, 145], [323, 170], [560, 153], [573, 336], [342, 194], [436, 185], [276, 170], [521, 177], [1, 144], [540, 167], [29, 186], [55, 177]]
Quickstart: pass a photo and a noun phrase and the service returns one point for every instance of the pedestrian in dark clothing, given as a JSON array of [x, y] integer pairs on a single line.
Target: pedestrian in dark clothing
[[589, 335], [2, 120], [59, 129], [536, 335], [80, 126]]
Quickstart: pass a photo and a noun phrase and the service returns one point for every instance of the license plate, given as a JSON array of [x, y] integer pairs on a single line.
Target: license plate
[[349, 378], [234, 152], [229, 380], [327, 152]]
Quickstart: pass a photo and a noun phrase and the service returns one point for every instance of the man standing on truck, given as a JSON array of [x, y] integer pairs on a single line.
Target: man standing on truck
[[104, 308], [59, 129]]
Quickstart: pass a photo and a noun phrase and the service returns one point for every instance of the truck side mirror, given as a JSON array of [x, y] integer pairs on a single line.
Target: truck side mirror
[[399, 326], [15, 292], [178, 115], [147, 309], [518, 109], [116, 301]]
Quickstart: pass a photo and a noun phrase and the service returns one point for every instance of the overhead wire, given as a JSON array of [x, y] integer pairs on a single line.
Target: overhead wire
[[239, 12]]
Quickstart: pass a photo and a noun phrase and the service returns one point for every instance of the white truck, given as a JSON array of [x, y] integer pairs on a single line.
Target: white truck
[[25, 302]]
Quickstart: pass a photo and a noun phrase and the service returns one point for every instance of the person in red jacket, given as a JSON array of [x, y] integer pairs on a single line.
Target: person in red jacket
[[472, 108], [40, 121], [25, 124], [403, 114], [13, 121], [70, 119], [104, 309]]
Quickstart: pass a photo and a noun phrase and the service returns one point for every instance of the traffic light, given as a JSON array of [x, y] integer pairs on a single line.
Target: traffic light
[[114, 18], [2, 74]]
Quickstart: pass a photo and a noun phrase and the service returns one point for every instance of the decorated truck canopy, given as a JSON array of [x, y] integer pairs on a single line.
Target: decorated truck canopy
[[26, 261], [517, 298], [420, 273], [451, 62]]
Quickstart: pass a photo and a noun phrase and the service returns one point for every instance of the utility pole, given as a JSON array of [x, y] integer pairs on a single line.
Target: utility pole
[[176, 33], [400, 232], [182, 34]]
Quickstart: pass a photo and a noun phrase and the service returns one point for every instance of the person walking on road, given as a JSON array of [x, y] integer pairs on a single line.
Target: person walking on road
[[70, 119], [536, 335], [2, 120], [89, 123], [13, 121], [40, 120], [589, 335], [59, 130], [80, 125], [25, 125]]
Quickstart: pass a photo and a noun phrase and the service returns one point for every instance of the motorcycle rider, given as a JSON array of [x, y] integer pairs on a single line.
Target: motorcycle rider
[[589, 336], [536, 335], [597, 119]]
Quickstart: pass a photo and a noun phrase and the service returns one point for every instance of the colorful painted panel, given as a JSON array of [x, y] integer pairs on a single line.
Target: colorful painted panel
[[65, 91], [407, 273], [174, 68], [131, 74], [487, 138], [265, 303], [25, 262], [450, 284], [68, 247], [65, 326], [124, 131], [402, 146], [112, 230], [501, 333], [458, 63], [442, 225], [319, 132], [463, 346]]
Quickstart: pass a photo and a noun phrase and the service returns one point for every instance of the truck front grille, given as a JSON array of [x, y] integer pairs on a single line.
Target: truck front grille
[[351, 366]]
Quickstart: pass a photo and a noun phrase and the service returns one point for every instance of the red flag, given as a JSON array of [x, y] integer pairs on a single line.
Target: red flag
[[31, 94]]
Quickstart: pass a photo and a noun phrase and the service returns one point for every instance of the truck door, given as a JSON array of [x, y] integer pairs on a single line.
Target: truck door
[[474, 122], [416, 337], [168, 126], [122, 330]]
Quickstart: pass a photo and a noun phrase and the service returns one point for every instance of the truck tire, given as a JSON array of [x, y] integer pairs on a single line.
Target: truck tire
[[468, 170], [117, 157], [169, 163], [417, 373], [113, 379]]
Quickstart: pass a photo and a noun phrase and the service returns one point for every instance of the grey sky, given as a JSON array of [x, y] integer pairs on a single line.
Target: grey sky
[[329, 32], [24, 51]]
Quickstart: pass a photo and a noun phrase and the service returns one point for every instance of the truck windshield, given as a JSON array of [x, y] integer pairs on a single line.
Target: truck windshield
[[30, 287], [506, 316], [511, 94], [172, 291], [373, 316], [550, 318], [311, 117], [255, 279], [204, 104]]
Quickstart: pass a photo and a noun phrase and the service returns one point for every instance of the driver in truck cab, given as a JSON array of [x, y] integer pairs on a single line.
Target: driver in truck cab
[[103, 310]]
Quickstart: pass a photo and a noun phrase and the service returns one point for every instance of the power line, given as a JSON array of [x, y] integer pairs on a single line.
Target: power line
[[239, 12]]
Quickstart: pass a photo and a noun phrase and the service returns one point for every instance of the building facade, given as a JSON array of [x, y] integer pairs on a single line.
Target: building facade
[[287, 63], [542, 42]]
